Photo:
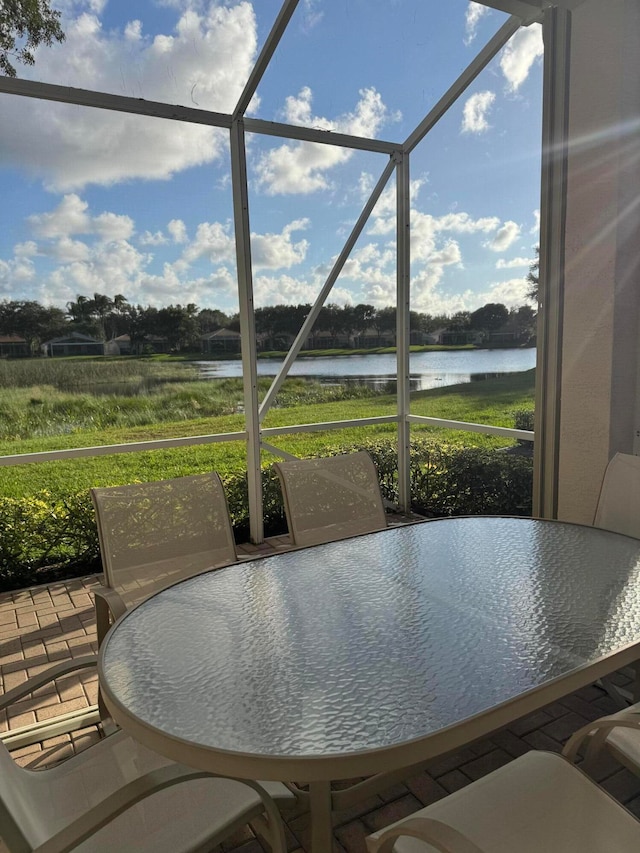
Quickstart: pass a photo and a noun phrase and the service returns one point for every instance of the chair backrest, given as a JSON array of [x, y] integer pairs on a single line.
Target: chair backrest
[[154, 534], [619, 502], [331, 498]]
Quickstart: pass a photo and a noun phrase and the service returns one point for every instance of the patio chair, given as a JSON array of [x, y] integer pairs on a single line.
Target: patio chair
[[618, 510], [331, 498], [155, 534], [619, 502], [538, 802], [616, 734], [118, 795]]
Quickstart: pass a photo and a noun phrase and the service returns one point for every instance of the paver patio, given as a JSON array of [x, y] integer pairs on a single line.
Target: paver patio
[[47, 624]]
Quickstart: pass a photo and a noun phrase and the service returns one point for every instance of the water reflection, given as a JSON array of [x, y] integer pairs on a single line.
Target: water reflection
[[417, 381], [428, 369]]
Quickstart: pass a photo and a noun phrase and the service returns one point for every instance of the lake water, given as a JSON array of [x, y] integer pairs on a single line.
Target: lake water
[[428, 369]]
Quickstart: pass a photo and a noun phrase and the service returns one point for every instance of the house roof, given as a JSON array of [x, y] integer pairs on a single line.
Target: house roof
[[221, 333], [74, 338], [11, 339]]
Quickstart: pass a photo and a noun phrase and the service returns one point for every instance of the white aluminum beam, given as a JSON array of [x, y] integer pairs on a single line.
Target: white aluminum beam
[[553, 203], [273, 39], [464, 80], [331, 279], [529, 10], [247, 328], [325, 137], [467, 426], [119, 103], [109, 449], [403, 287], [278, 452], [327, 425]]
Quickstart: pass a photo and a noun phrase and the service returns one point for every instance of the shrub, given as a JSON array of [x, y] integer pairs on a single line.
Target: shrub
[[43, 538]]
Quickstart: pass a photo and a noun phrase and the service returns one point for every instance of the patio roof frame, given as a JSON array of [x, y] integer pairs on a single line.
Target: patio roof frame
[[523, 13]]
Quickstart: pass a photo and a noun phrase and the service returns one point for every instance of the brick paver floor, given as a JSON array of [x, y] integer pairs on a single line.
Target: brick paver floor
[[46, 624]]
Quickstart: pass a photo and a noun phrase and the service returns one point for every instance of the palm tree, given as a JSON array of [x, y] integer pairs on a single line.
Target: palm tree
[[102, 306]]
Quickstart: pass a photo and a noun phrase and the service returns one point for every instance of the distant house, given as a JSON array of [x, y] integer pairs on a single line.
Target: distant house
[[73, 344], [222, 340], [459, 337], [13, 346], [371, 338], [122, 345]]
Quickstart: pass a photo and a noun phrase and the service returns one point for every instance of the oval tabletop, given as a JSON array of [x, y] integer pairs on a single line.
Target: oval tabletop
[[360, 646]]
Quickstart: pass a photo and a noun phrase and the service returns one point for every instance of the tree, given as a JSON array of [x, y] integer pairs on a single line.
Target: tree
[[533, 278], [25, 24], [31, 321], [102, 306], [490, 317]]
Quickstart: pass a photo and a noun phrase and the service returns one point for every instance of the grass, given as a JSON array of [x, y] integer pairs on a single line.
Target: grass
[[492, 401]]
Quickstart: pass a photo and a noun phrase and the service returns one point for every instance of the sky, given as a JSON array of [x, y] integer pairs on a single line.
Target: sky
[[101, 201]]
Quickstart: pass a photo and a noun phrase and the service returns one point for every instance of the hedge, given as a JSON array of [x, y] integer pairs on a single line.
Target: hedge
[[44, 537]]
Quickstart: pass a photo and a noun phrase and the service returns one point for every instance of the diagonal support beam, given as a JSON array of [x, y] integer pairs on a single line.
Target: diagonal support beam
[[273, 39], [331, 280], [464, 80]]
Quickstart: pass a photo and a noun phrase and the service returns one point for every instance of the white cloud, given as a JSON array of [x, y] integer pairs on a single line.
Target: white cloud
[[462, 223], [517, 58], [311, 15], [536, 223], [295, 168], [203, 63], [112, 226], [511, 293], [26, 250], [289, 290], [276, 251], [71, 217], [67, 251], [178, 231], [514, 263], [475, 110], [16, 273], [214, 241], [149, 239], [474, 12], [505, 237]]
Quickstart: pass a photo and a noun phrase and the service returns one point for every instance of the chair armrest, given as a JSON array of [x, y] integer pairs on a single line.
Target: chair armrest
[[37, 681], [597, 733], [441, 836], [138, 789], [109, 607]]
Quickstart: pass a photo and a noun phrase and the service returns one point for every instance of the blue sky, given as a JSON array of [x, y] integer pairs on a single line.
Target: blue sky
[[98, 201]]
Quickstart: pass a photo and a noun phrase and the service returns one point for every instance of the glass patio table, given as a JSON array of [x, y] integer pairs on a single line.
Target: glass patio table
[[371, 655]]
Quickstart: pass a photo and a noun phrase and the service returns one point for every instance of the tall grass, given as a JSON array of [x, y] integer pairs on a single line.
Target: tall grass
[[47, 398], [78, 375]]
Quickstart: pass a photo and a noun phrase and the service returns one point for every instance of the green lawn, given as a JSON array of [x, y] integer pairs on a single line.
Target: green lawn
[[492, 401]]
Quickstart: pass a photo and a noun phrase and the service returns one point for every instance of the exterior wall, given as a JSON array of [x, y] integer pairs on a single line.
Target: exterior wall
[[602, 292]]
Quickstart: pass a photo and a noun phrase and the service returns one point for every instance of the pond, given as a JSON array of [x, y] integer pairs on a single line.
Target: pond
[[428, 369]]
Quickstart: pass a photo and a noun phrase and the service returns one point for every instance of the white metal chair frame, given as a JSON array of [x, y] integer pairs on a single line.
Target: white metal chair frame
[[618, 510], [330, 498], [532, 775], [110, 600], [81, 823]]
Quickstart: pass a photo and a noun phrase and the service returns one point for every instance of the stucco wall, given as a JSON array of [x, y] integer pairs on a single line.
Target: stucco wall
[[600, 334]]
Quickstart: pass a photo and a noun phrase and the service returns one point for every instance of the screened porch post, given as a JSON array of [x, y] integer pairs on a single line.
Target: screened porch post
[[553, 202], [247, 328], [402, 329]]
